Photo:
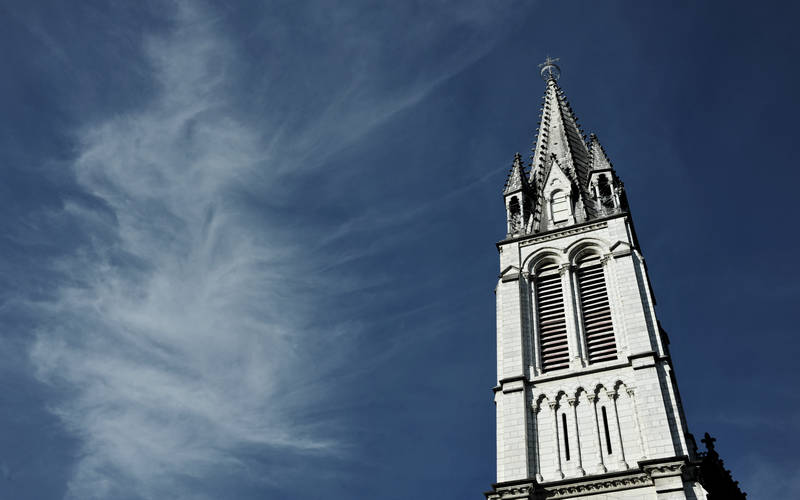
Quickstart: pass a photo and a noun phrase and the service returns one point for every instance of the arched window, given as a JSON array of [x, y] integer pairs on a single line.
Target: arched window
[[559, 206], [550, 315], [566, 435], [514, 221], [605, 427], [606, 199], [526, 211], [595, 310]]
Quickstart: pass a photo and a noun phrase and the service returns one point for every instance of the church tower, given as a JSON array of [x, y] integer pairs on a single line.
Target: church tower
[[586, 398]]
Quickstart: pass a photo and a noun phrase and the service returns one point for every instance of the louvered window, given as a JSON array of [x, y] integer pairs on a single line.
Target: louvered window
[[596, 311], [552, 322]]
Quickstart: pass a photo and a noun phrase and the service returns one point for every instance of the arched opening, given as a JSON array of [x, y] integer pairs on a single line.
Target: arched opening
[[526, 211], [604, 189], [514, 219], [560, 209], [598, 329], [566, 435], [605, 429], [551, 320]]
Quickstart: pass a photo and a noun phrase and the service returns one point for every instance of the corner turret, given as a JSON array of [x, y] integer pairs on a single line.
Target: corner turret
[[518, 198]]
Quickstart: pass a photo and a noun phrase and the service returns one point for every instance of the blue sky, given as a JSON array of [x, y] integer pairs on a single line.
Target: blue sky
[[248, 251]]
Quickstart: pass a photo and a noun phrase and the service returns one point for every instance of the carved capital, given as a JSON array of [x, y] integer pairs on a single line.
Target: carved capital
[[572, 401], [591, 397], [564, 268], [612, 395], [553, 405], [630, 391]]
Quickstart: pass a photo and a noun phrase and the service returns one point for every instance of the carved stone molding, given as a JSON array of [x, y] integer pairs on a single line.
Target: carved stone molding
[[637, 480], [661, 470], [515, 492], [646, 475], [561, 234]]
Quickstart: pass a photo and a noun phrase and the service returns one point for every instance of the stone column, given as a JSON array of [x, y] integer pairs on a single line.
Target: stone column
[[538, 463], [601, 468], [574, 404], [612, 395], [554, 407], [569, 291], [636, 423]]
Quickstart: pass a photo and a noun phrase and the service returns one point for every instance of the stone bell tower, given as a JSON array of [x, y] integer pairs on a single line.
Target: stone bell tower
[[587, 401]]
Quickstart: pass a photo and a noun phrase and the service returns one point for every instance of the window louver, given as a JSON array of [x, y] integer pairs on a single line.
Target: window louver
[[552, 322], [596, 311]]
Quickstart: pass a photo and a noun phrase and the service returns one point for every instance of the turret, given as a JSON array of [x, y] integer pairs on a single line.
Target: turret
[[607, 190], [518, 198]]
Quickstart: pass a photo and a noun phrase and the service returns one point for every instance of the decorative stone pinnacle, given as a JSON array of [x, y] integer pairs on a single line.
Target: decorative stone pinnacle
[[549, 70]]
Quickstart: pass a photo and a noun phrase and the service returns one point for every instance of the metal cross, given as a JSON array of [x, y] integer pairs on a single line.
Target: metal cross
[[549, 68]]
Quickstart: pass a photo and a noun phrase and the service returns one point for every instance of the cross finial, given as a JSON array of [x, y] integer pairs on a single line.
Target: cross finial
[[549, 69], [708, 441]]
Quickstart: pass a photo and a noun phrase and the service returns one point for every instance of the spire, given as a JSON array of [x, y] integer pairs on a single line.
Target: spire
[[517, 178], [559, 140], [560, 135], [598, 157], [570, 181]]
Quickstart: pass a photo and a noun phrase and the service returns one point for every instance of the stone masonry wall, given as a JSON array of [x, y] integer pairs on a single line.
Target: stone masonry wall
[[642, 411]]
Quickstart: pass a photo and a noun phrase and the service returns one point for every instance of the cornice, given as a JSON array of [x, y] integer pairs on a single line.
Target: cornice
[[644, 475], [629, 481], [511, 384], [636, 361], [552, 234]]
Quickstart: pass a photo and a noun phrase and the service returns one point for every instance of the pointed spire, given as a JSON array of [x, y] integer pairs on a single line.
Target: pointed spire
[[517, 179], [560, 134], [558, 137], [599, 158]]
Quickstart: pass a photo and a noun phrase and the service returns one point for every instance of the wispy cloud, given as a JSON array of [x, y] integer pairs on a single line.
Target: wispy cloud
[[187, 315], [171, 344]]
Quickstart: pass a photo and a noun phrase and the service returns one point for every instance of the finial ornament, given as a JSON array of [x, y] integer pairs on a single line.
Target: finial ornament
[[549, 69]]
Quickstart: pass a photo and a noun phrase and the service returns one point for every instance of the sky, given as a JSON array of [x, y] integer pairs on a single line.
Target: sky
[[248, 249]]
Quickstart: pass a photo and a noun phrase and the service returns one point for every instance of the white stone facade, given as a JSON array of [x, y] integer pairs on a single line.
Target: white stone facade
[[619, 415], [587, 402]]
